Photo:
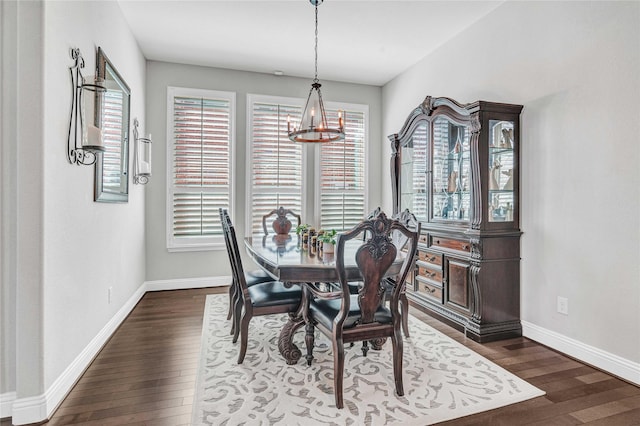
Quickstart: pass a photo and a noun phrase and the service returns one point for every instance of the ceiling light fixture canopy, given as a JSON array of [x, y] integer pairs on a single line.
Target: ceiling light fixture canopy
[[313, 124]]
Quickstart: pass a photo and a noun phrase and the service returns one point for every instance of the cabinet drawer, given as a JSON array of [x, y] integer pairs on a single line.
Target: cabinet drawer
[[430, 274], [430, 290], [433, 258], [451, 244]]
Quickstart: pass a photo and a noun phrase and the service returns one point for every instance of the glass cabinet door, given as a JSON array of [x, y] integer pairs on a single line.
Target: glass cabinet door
[[501, 170], [413, 179], [451, 186]]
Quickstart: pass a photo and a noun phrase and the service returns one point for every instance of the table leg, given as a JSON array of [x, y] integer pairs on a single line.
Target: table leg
[[287, 348]]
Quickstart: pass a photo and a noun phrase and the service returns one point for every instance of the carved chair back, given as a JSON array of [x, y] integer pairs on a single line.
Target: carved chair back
[[374, 258], [281, 224]]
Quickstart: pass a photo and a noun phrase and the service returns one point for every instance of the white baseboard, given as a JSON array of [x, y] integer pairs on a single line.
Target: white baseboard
[[39, 408], [614, 364], [185, 283], [6, 403]]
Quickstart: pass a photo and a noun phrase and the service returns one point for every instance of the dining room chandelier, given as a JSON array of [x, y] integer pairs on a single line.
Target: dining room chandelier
[[313, 125]]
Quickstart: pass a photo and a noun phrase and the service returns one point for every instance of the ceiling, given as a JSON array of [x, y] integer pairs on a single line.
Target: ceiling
[[359, 41]]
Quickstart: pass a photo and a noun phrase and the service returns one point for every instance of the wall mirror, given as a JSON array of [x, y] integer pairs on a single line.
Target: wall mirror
[[112, 117]]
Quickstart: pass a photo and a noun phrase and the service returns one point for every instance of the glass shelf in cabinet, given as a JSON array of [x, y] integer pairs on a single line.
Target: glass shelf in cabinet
[[495, 150]]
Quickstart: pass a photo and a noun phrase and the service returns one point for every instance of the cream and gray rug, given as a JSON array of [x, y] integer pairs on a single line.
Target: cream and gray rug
[[443, 379]]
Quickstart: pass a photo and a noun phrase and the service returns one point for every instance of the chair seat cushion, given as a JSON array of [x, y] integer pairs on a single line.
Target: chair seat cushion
[[274, 293], [354, 288], [324, 312], [257, 276]]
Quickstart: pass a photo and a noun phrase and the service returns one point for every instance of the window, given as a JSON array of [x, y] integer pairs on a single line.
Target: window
[[278, 168], [200, 139], [113, 179], [342, 172]]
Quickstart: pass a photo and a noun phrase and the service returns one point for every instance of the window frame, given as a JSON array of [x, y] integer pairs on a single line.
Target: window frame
[[185, 244], [277, 100], [310, 182], [317, 206]]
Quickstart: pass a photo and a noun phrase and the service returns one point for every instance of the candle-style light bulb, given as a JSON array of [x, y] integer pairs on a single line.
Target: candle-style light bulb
[[313, 113], [288, 123]]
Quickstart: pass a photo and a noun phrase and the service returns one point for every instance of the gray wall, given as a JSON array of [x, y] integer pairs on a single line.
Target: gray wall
[[575, 66], [163, 265]]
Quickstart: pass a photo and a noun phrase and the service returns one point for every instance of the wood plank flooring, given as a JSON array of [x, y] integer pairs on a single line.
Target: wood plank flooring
[[145, 375]]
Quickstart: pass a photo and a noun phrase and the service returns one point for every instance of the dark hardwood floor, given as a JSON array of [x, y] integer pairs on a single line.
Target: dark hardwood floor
[[145, 375]]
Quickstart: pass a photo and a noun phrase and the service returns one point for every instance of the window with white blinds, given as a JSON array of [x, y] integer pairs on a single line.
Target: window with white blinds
[[114, 167], [201, 129], [342, 173], [276, 162], [277, 173]]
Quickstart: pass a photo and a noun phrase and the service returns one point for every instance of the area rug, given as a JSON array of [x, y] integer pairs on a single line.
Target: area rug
[[443, 379]]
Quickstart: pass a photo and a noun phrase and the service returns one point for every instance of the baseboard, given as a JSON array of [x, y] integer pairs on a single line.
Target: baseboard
[[614, 364], [185, 283], [6, 403], [39, 408]]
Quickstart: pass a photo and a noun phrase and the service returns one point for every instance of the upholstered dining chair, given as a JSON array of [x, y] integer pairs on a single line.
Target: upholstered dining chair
[[281, 224], [251, 278], [346, 317], [410, 221], [265, 298]]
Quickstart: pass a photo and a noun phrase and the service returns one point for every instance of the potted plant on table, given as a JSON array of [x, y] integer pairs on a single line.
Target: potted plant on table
[[301, 229], [328, 239]]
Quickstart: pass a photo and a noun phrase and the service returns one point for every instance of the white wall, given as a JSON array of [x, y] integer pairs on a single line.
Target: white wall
[[162, 265], [575, 66], [70, 249], [8, 18]]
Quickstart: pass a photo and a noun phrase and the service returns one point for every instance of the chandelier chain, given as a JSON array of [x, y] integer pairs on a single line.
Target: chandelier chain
[[316, 49]]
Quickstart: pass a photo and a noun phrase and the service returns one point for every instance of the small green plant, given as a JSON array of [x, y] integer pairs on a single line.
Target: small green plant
[[301, 229], [329, 237]]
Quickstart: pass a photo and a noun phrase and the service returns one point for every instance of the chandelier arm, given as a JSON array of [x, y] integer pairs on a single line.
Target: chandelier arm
[[323, 114], [306, 106]]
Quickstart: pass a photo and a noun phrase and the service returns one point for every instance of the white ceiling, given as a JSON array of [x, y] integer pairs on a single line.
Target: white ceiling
[[360, 41]]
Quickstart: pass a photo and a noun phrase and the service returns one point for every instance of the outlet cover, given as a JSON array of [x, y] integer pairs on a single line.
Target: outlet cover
[[563, 305]]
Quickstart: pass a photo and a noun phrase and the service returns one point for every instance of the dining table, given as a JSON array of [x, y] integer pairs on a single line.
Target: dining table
[[288, 259]]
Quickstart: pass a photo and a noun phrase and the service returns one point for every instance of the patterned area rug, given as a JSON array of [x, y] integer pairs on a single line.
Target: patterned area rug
[[443, 380]]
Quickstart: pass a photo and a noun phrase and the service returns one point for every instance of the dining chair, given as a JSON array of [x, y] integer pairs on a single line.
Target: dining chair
[[281, 224], [251, 278], [265, 298], [346, 317], [410, 221]]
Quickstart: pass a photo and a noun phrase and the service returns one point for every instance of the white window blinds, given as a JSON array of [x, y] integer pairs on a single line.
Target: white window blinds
[[276, 162], [201, 130], [277, 175], [113, 178], [342, 174]]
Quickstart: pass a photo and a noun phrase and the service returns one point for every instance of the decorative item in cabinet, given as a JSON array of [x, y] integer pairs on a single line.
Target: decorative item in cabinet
[[501, 159], [456, 166]]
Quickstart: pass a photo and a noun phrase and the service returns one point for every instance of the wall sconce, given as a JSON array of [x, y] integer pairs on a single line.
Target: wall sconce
[[85, 139], [141, 156]]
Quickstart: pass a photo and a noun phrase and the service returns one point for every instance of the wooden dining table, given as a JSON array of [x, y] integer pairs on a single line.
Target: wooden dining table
[[288, 260]]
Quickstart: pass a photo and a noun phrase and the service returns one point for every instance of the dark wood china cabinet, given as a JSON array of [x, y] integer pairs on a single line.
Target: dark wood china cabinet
[[456, 167]]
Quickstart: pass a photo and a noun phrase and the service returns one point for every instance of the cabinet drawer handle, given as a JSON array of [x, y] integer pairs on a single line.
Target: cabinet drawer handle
[[465, 247], [437, 241], [429, 290], [431, 259]]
